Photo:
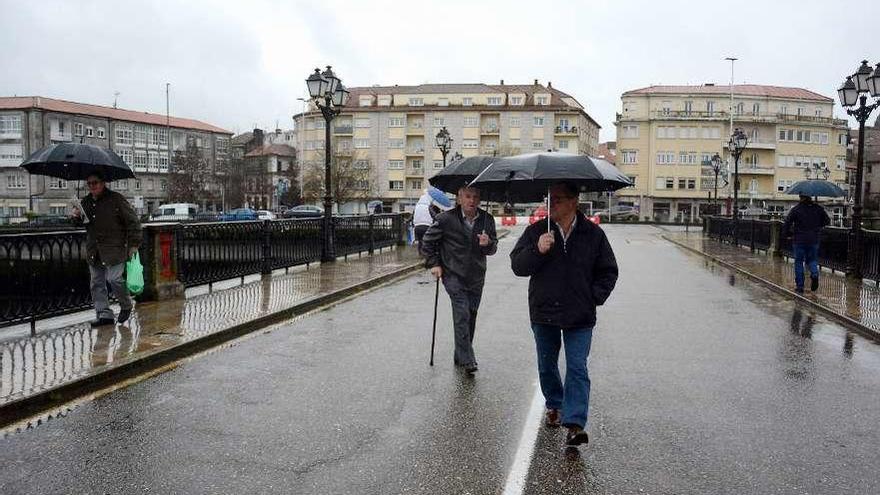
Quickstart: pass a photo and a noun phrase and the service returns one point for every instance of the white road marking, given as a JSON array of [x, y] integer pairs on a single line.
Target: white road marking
[[516, 477]]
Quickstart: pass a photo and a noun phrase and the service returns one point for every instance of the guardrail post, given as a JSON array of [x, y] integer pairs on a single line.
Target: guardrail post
[[402, 227], [372, 233], [775, 238], [160, 254], [752, 237], [267, 248]]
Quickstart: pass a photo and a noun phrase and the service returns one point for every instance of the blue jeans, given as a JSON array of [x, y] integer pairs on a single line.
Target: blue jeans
[[574, 397], [808, 253]]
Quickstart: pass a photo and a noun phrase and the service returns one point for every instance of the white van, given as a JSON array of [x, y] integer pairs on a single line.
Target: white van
[[175, 212]]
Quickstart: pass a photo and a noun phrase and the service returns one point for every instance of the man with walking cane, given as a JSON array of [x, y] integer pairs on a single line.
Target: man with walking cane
[[455, 249]]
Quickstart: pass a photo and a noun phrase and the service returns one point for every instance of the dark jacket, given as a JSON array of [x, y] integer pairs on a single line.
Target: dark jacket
[[448, 243], [570, 280], [112, 229], [805, 222]]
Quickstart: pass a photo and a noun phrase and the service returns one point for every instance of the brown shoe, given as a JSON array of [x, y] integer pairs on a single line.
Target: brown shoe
[[552, 418], [576, 436]]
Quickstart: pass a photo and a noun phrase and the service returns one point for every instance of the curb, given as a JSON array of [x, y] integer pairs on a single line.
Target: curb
[[849, 322], [46, 400]]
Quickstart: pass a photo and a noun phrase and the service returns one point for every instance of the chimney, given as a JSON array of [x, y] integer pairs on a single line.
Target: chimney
[[502, 82], [536, 82], [549, 85], [257, 139]]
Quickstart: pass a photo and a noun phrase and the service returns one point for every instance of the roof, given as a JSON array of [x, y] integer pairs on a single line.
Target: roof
[[738, 89], [242, 139], [273, 149], [63, 106], [607, 152]]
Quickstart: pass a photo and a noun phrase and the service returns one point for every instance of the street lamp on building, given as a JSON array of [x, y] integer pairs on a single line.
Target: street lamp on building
[[716, 162], [444, 143], [736, 145], [329, 95], [855, 90]]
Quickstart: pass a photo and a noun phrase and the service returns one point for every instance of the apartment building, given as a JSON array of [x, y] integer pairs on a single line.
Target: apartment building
[[391, 131], [269, 167], [145, 141], [666, 136]]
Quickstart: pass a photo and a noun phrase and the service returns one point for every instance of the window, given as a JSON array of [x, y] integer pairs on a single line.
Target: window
[[395, 121], [101, 133], [361, 164], [471, 122], [79, 129], [123, 135], [320, 124], [137, 185], [514, 121], [126, 156], [670, 183], [15, 181], [666, 107], [222, 143], [469, 143], [385, 100], [687, 158], [632, 179], [688, 107], [10, 126], [665, 158], [493, 101], [122, 185], [542, 100], [140, 135], [739, 108], [90, 132], [801, 111], [841, 162], [362, 123], [443, 102], [842, 139], [395, 185], [539, 121], [438, 164], [710, 107], [11, 154], [467, 101], [57, 183], [783, 109], [361, 143], [417, 163], [630, 131], [756, 108], [818, 112], [365, 101], [665, 132], [537, 145], [395, 144], [415, 184], [563, 144], [782, 185], [395, 164], [630, 156], [163, 184], [361, 185], [439, 121], [682, 183], [140, 158], [516, 100], [416, 102], [692, 184]]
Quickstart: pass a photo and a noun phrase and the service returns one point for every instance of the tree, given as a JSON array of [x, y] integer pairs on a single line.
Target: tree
[[189, 176], [351, 180]]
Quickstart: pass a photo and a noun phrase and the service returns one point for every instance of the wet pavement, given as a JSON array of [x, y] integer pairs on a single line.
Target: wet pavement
[[855, 299], [702, 383], [55, 356]]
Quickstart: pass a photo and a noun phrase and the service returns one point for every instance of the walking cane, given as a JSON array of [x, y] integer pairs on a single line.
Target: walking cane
[[434, 331]]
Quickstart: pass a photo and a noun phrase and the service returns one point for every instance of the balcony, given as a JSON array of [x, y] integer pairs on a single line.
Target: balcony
[[566, 130], [415, 171], [60, 136], [344, 151], [343, 129], [688, 115], [415, 128], [490, 130], [811, 119], [415, 151], [757, 145], [756, 170]]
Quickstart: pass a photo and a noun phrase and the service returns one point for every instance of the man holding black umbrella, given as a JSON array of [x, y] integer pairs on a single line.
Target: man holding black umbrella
[[804, 225], [573, 270], [455, 247], [113, 236]]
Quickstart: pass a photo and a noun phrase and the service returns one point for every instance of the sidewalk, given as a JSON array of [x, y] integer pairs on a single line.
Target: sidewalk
[[851, 301], [37, 372]]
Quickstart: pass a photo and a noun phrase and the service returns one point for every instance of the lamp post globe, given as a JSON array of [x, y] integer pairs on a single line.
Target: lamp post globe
[[716, 162], [860, 77], [847, 93], [874, 82]]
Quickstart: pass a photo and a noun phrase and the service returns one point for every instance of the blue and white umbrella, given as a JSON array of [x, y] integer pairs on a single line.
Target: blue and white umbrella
[[815, 188], [439, 197]]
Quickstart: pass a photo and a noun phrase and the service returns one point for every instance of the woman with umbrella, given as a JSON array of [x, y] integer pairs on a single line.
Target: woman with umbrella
[[113, 231], [572, 270]]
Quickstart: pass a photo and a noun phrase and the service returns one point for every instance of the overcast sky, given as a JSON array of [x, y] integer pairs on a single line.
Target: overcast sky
[[240, 63]]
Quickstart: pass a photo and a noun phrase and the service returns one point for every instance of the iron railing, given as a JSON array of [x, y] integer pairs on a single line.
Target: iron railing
[[210, 252], [43, 275]]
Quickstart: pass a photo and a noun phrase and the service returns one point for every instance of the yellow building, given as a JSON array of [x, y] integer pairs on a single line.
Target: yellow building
[[390, 131], [666, 134]]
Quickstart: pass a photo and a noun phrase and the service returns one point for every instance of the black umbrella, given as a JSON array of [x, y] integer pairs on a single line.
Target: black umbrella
[[72, 161], [460, 173], [526, 178]]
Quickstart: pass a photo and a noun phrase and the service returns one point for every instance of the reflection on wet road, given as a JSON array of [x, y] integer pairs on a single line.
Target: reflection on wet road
[[702, 383]]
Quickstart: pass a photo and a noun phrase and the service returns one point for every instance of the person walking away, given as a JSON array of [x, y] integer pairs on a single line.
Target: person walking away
[[455, 247], [422, 217], [572, 270], [113, 235], [804, 225]]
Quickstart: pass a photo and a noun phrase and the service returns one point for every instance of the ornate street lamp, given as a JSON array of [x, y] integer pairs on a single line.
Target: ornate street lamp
[[329, 95], [444, 142], [716, 164], [855, 89], [736, 145]]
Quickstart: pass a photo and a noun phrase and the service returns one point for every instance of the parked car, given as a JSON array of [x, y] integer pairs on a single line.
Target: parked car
[[238, 214], [619, 212], [304, 211], [175, 212], [265, 215]]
